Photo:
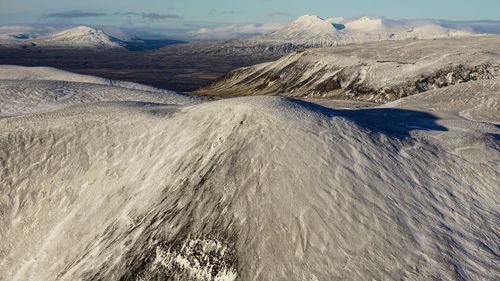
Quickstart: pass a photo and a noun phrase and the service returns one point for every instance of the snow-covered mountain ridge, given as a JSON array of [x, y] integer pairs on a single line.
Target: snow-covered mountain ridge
[[312, 31], [82, 36], [305, 32], [76, 37], [135, 185], [376, 71]]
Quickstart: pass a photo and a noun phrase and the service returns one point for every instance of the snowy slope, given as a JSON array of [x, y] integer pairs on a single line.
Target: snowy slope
[[255, 188], [48, 73], [476, 100], [378, 71], [33, 89]]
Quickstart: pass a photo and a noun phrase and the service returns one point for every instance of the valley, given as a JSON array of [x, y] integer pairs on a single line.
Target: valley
[[187, 67]]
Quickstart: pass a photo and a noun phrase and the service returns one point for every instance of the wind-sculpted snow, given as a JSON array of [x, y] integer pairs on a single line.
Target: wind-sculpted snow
[[255, 188], [32, 89], [379, 72], [14, 72]]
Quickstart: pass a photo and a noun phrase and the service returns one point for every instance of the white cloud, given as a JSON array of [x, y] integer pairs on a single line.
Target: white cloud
[[234, 31]]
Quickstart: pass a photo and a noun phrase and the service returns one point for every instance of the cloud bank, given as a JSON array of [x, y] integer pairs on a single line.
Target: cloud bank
[[234, 31]]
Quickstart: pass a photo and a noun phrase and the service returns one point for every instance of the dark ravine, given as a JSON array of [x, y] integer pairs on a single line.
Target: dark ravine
[[179, 67]]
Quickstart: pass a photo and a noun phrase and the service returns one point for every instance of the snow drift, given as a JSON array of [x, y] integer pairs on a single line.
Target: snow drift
[[255, 188]]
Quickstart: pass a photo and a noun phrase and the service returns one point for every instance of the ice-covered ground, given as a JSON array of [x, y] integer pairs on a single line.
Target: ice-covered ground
[[254, 188]]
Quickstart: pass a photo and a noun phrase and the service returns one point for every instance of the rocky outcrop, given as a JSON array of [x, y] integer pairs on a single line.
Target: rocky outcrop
[[441, 78], [377, 72]]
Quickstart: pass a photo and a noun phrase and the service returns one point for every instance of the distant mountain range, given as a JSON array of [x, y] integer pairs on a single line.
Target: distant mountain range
[[78, 37], [305, 32], [312, 31]]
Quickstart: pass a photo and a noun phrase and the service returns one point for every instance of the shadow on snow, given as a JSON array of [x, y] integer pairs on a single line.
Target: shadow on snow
[[393, 122]]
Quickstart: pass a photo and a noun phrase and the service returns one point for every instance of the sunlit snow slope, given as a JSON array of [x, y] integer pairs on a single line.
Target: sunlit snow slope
[[255, 188], [31, 89], [377, 71]]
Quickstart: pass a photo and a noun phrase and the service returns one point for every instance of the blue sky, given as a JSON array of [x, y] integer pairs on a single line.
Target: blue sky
[[180, 16]]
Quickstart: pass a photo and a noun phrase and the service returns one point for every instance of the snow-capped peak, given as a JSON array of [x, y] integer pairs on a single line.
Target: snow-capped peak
[[308, 19], [310, 24], [78, 31], [308, 29], [83, 37], [313, 31]]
